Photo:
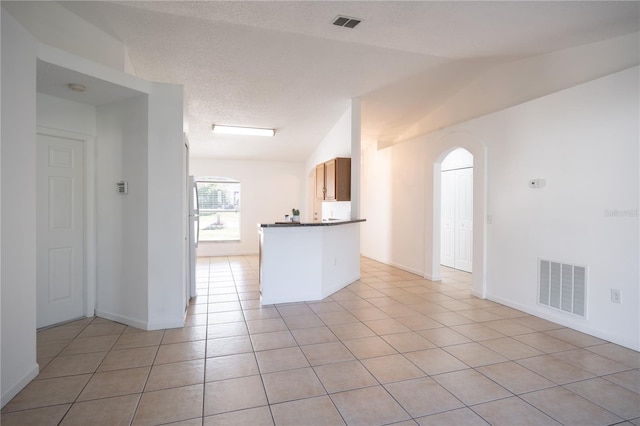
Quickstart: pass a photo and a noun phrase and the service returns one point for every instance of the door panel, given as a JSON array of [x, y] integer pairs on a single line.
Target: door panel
[[464, 219], [60, 204], [59, 229], [447, 219], [60, 274], [456, 217]]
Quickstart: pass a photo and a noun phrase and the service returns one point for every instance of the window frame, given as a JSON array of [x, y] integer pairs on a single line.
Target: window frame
[[222, 201]]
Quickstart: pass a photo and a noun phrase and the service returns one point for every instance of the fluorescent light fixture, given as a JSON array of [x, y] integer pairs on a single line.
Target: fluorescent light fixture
[[247, 131]]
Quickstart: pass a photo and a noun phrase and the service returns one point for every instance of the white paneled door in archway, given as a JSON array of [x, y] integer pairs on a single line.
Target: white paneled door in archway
[[456, 238]]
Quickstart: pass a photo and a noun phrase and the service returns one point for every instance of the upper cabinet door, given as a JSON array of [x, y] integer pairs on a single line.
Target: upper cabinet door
[[320, 182], [342, 179], [330, 180], [333, 180], [337, 179]]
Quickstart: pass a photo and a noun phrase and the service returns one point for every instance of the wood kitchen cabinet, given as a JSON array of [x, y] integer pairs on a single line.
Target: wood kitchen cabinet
[[320, 182], [333, 180]]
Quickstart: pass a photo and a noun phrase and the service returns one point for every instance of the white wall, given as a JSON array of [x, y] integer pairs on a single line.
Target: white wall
[[269, 190], [138, 140], [336, 210], [525, 79], [356, 160], [339, 142], [18, 192], [52, 24], [166, 208], [137, 242], [584, 142], [62, 114], [393, 202], [139, 235], [589, 159], [122, 218], [151, 129]]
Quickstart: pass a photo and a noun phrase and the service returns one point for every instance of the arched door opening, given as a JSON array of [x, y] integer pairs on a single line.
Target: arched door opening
[[478, 152]]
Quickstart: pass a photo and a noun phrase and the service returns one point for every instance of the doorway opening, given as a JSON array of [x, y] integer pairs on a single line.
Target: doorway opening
[[433, 269], [456, 211]]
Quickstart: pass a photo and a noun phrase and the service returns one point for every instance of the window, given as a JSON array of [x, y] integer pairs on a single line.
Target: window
[[219, 202]]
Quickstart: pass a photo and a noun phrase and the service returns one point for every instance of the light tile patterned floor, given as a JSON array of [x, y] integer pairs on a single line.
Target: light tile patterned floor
[[391, 348]]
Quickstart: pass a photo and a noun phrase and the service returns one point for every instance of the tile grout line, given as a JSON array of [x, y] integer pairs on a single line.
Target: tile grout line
[[249, 305], [264, 388]]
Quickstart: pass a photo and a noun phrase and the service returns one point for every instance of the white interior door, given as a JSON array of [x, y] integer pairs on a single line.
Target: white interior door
[[464, 219], [456, 219], [447, 219], [59, 229]]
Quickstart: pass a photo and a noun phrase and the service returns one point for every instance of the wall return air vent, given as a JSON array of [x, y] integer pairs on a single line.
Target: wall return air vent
[[562, 286]]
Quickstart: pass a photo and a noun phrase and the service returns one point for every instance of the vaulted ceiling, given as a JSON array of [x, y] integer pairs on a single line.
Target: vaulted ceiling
[[283, 65]]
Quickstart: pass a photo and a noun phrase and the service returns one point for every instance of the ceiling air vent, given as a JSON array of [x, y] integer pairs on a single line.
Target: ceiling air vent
[[344, 21]]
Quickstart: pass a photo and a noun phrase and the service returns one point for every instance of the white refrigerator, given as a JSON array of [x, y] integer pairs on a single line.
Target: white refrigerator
[[194, 233]]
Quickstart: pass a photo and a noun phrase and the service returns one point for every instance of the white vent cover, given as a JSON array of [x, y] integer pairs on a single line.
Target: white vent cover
[[562, 286], [347, 22]]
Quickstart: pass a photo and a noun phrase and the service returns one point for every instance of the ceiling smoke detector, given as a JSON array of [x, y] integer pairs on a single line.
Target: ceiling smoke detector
[[345, 21], [77, 87]]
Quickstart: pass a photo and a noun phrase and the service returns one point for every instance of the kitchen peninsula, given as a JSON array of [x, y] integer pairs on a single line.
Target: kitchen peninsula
[[307, 261]]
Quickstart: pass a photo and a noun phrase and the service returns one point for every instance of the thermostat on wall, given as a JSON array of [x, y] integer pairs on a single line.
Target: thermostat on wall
[[123, 187], [536, 183]]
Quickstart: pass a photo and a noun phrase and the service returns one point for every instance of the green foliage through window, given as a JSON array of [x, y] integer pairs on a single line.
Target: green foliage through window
[[219, 202]]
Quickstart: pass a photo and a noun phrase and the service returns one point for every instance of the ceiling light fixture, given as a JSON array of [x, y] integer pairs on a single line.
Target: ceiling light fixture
[[247, 131]]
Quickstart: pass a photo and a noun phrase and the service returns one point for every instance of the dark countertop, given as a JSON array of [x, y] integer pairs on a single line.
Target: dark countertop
[[298, 224]]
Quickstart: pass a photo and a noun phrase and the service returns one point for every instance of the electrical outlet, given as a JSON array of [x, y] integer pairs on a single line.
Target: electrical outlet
[[615, 295]]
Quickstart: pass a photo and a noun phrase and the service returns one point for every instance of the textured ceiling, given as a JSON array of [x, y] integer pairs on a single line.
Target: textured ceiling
[[283, 65]]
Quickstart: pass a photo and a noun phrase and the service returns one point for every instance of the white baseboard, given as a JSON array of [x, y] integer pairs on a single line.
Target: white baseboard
[[433, 277], [142, 325], [399, 266], [177, 323], [19, 385], [407, 269], [477, 294], [219, 250], [559, 318], [326, 292]]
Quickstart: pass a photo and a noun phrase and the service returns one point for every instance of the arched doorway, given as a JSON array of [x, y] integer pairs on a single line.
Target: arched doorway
[[439, 152]]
